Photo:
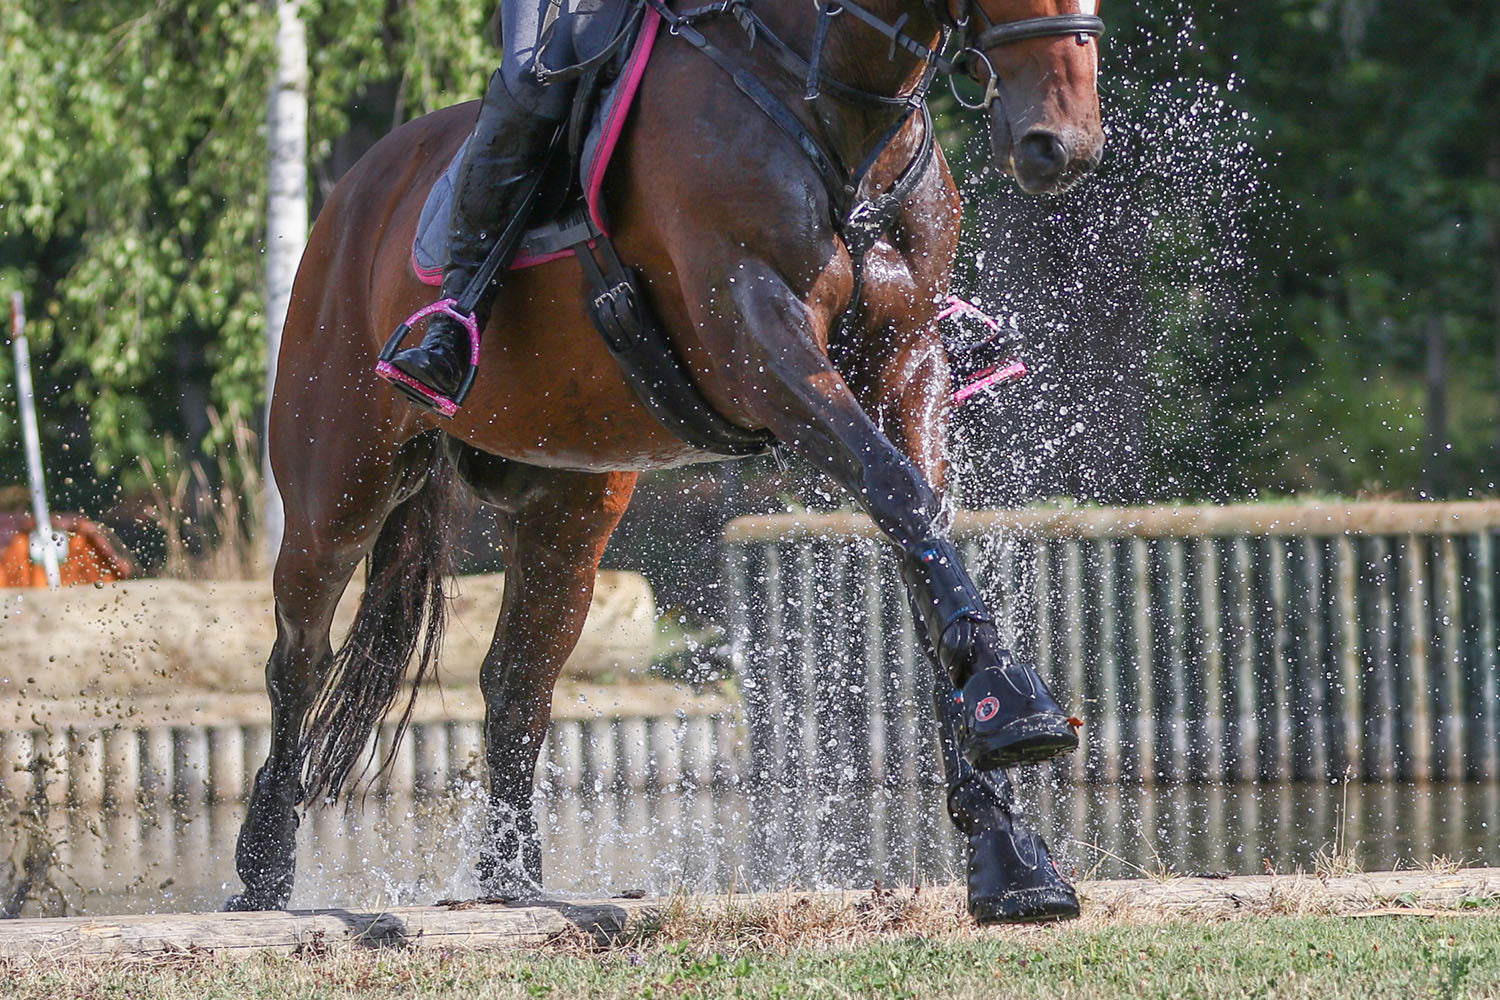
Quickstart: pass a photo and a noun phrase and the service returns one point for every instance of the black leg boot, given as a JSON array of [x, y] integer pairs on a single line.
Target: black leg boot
[[507, 150], [1011, 875], [1006, 713]]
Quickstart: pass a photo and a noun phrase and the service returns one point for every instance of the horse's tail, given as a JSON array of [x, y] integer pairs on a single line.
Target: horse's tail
[[403, 606]]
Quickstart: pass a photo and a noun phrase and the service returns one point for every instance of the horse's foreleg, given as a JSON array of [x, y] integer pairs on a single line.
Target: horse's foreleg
[[555, 530], [1008, 715], [1011, 875]]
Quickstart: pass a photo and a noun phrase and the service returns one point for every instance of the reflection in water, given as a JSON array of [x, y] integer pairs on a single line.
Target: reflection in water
[[384, 853]]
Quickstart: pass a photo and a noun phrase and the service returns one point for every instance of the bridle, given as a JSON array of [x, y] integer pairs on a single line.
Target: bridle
[[957, 33], [1084, 26]]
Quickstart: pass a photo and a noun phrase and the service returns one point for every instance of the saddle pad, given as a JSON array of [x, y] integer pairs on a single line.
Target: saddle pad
[[549, 241]]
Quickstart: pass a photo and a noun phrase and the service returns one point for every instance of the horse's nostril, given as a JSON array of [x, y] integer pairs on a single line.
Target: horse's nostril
[[1041, 154]]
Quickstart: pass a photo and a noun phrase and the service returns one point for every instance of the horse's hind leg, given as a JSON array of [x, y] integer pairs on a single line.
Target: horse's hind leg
[[555, 525], [332, 525]]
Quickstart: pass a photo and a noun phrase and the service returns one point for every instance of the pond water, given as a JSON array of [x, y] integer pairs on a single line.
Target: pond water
[[607, 842]]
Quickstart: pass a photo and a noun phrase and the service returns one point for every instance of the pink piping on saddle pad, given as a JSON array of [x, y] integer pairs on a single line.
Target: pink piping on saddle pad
[[433, 277], [618, 115]]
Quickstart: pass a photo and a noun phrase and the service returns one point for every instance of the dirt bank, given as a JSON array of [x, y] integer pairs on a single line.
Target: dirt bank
[[164, 637], [793, 919]]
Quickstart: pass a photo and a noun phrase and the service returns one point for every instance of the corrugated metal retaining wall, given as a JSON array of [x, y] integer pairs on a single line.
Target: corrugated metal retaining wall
[[1254, 643], [82, 765]]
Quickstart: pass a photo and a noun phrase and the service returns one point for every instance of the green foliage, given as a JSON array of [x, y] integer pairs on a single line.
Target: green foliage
[[1380, 138], [129, 208], [132, 163], [132, 192]]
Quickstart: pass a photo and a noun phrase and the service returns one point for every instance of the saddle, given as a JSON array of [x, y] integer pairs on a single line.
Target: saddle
[[569, 218]]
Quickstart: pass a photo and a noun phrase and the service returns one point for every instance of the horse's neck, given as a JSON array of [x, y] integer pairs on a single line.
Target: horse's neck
[[859, 56]]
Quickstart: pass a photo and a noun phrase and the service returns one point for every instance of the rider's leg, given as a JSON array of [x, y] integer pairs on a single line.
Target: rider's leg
[[516, 123]]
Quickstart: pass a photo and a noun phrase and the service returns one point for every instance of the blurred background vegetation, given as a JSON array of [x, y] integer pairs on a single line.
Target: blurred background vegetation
[[1285, 279]]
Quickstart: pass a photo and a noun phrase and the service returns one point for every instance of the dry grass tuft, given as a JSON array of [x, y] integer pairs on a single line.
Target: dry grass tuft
[[1440, 864], [208, 518], [1330, 862], [780, 922]]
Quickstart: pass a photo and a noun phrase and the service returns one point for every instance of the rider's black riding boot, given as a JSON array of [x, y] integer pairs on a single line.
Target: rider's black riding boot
[[507, 149], [1006, 714], [1011, 876]]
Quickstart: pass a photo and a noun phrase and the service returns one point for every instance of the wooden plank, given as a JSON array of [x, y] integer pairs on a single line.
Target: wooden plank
[[1290, 894], [1323, 519]]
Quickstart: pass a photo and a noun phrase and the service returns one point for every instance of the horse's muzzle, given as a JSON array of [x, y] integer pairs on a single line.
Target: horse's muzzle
[[1044, 161]]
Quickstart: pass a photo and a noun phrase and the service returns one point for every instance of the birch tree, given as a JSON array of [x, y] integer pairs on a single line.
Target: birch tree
[[286, 213]]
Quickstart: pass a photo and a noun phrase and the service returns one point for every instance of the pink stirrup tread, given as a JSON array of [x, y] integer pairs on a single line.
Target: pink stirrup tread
[[447, 307], [1009, 372]]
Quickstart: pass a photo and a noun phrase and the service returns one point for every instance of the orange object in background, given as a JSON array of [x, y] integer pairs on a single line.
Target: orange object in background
[[94, 554]]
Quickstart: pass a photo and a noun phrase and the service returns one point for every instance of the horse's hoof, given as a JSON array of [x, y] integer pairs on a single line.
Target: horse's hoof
[[1009, 717], [1047, 904], [1012, 877], [1033, 739], [249, 902]]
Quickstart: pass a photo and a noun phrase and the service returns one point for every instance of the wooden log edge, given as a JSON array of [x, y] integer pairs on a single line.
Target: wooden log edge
[[462, 925], [1040, 523], [1472, 891]]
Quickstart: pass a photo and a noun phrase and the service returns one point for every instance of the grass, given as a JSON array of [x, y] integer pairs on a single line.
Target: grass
[[208, 517], [1324, 958], [900, 944]]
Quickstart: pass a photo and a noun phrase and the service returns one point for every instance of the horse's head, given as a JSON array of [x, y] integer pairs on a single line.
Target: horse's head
[[1041, 82]]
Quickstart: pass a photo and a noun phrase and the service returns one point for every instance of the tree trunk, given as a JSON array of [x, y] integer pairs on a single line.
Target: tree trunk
[[1494, 176], [286, 214]]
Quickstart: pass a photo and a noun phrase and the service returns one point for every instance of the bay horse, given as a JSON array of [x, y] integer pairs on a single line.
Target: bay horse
[[734, 234]]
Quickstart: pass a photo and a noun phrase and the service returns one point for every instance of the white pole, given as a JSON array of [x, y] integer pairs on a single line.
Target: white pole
[[32, 441], [286, 217]]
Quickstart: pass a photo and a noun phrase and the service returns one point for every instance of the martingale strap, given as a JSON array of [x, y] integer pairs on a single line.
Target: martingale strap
[[852, 218]]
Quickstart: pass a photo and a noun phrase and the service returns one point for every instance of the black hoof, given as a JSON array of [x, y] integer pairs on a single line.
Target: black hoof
[[247, 902], [1027, 906], [1012, 877], [1009, 717], [1030, 740]]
